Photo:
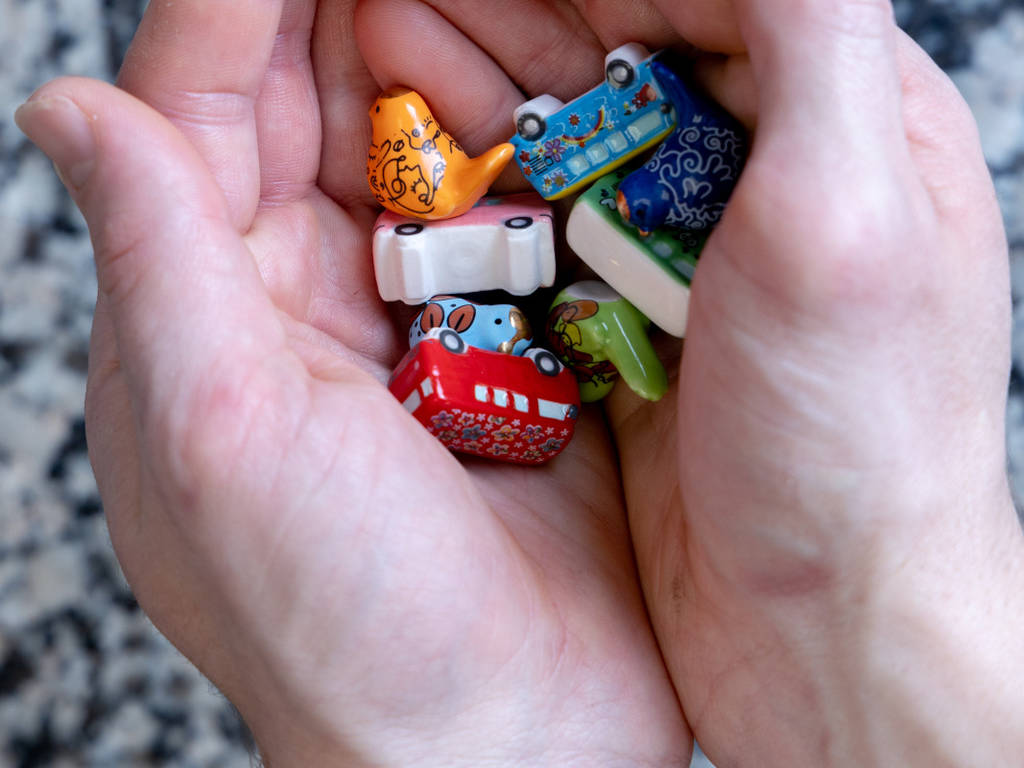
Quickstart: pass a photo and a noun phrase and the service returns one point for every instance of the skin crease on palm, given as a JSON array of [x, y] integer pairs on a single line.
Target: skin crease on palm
[[829, 563]]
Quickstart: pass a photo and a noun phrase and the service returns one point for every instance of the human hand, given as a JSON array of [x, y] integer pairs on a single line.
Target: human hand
[[740, 605], [360, 595], [835, 571]]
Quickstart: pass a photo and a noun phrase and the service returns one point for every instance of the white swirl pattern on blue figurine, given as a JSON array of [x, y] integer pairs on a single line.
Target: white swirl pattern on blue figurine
[[698, 173], [688, 181]]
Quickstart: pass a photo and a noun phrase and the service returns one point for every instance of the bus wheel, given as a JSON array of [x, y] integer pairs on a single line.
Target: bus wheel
[[546, 363], [451, 341]]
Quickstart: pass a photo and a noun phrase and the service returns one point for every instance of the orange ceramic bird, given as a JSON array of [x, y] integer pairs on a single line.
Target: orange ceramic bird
[[416, 169]]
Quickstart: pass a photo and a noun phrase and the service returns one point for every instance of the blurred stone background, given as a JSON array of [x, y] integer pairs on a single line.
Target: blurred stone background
[[85, 680]]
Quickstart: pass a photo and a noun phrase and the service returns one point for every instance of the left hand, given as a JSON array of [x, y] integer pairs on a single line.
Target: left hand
[[361, 595]]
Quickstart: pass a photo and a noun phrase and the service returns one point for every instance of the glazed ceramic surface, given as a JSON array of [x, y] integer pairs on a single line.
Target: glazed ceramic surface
[[516, 409], [688, 180], [502, 243], [492, 327], [562, 148], [416, 169], [653, 272], [600, 336]]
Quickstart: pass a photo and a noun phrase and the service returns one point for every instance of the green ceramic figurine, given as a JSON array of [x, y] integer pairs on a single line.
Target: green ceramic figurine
[[600, 336], [652, 271]]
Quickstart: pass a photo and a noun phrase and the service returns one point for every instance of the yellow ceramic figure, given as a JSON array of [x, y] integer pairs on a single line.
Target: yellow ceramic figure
[[416, 169]]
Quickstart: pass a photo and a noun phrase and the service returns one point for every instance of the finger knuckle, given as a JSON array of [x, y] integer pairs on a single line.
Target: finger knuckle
[[838, 245], [117, 241], [861, 249], [936, 114]]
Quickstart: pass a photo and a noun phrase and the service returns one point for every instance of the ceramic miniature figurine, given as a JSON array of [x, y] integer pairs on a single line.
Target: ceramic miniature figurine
[[562, 147], [652, 272], [599, 336], [688, 180], [506, 407], [505, 243], [493, 327], [416, 169]]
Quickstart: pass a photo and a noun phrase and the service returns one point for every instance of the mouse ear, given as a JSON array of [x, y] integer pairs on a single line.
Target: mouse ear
[[556, 313], [432, 316], [580, 309], [460, 319]]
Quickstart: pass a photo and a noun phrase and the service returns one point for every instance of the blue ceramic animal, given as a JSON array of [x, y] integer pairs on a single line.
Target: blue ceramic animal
[[493, 327], [688, 180]]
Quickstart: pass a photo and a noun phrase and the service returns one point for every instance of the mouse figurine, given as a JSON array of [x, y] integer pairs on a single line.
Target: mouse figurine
[[600, 336], [492, 327], [691, 175], [416, 169]]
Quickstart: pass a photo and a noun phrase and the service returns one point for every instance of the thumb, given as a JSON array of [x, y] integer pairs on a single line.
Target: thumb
[[828, 78], [184, 295], [830, 199]]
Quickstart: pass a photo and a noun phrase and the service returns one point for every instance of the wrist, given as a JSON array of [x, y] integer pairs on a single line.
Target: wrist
[[942, 663], [920, 663], [905, 652]]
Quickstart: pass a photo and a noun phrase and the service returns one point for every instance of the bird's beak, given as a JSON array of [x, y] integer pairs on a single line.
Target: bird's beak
[[622, 205]]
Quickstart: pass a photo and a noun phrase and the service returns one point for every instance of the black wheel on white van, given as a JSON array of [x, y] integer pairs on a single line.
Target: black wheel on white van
[[531, 118], [620, 65]]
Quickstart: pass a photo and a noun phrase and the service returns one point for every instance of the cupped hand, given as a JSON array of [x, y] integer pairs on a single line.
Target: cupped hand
[[361, 595], [829, 551]]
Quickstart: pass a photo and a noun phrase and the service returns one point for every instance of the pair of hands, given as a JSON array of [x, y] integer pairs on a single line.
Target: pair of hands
[[815, 518]]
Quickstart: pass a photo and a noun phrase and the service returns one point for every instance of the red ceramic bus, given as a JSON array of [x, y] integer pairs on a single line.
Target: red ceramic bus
[[499, 406]]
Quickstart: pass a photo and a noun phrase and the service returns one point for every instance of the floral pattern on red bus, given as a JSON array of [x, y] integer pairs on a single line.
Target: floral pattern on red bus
[[489, 404]]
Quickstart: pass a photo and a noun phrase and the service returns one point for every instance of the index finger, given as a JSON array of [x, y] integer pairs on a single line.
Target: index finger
[[708, 24], [201, 63]]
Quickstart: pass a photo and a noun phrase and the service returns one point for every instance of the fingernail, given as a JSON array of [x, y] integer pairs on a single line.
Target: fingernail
[[58, 127]]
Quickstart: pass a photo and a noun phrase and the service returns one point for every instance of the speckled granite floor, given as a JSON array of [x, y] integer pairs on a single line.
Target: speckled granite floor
[[85, 680]]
